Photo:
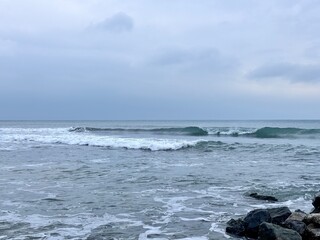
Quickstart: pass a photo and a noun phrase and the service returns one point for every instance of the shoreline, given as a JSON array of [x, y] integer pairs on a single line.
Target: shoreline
[[277, 223]]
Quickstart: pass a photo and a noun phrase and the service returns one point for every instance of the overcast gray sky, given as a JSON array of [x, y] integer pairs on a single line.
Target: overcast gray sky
[[159, 59]]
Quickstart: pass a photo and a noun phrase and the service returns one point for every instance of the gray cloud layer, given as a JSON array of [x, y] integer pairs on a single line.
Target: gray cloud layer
[[159, 59], [292, 72]]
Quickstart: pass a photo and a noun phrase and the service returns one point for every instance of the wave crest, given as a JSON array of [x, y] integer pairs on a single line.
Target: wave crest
[[190, 131], [276, 132]]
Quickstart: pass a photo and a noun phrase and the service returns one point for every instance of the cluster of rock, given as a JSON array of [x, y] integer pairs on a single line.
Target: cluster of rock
[[278, 224]]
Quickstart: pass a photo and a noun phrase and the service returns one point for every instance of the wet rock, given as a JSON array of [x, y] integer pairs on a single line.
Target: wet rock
[[295, 222], [253, 220], [312, 232], [316, 204], [299, 211], [269, 231], [279, 215], [263, 197], [236, 227], [313, 218], [296, 216], [316, 210], [316, 201], [295, 225]]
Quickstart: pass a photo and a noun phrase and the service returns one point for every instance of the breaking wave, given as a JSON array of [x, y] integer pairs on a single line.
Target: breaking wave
[[267, 132], [12, 138], [190, 131], [152, 144], [275, 132]]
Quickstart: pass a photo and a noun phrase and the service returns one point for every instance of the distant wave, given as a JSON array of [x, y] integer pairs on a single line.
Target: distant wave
[[190, 131], [275, 132], [265, 132]]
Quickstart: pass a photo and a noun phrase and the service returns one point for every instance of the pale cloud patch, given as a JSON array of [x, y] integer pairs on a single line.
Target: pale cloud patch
[[198, 63], [279, 90], [117, 23], [287, 71]]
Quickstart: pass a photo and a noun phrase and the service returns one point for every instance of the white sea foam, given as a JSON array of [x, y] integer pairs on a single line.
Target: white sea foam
[[195, 238], [216, 228], [79, 225], [298, 203], [151, 230], [229, 131], [63, 136]]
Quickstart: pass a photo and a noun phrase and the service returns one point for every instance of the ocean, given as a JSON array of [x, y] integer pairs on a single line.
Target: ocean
[[149, 179]]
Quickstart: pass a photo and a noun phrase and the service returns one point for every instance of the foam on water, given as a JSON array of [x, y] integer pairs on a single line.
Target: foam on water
[[63, 136], [75, 226]]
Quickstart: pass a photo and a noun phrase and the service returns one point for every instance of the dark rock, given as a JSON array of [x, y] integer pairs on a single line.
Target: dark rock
[[313, 218], [316, 201], [279, 215], [299, 211], [296, 216], [263, 197], [295, 225], [253, 220], [312, 232], [316, 210], [236, 227], [269, 231]]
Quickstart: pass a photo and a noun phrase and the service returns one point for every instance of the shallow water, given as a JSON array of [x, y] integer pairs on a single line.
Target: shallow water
[[130, 180]]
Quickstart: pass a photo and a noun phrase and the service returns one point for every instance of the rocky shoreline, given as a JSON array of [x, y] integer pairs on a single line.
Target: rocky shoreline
[[277, 223]]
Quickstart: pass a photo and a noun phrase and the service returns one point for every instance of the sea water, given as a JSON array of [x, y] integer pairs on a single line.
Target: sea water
[[149, 179]]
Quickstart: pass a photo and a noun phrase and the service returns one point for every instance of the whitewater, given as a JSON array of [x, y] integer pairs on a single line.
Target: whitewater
[[149, 179]]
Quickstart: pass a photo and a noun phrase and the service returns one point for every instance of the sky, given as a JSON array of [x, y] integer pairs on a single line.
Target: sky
[[151, 59]]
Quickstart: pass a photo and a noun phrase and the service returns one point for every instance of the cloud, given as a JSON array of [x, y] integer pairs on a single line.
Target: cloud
[[169, 52], [287, 71], [199, 62], [118, 23]]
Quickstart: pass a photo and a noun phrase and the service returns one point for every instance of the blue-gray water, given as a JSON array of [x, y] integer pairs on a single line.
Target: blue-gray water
[[149, 179]]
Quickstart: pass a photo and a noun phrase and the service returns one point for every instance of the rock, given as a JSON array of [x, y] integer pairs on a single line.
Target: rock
[[253, 220], [269, 231], [263, 197], [279, 215], [295, 225], [313, 218], [297, 216], [316, 210], [236, 227], [316, 201], [312, 232], [295, 222]]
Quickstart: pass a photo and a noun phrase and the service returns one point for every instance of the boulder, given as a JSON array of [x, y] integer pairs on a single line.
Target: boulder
[[295, 225], [263, 197], [269, 231], [279, 215], [296, 216], [236, 227], [316, 210], [253, 220], [312, 232], [313, 218], [316, 201]]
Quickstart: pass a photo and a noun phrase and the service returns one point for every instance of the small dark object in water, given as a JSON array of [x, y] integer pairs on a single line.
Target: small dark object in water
[[263, 197]]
